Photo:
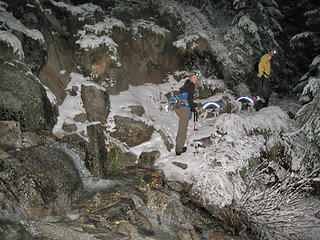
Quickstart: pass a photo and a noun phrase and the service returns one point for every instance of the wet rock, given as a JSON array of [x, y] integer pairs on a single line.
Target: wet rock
[[30, 139], [96, 160], [40, 180], [166, 140], [69, 127], [176, 186], [104, 158], [145, 178], [131, 132], [96, 103], [129, 159], [77, 144], [117, 160], [10, 230], [81, 117], [55, 74], [133, 207], [137, 110], [180, 165], [10, 133], [23, 99], [147, 159]]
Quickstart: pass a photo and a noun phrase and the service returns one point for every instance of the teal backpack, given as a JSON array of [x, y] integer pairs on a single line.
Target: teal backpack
[[177, 101]]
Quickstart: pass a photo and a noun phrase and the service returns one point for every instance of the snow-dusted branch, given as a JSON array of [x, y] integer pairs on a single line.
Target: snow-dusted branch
[[277, 210]]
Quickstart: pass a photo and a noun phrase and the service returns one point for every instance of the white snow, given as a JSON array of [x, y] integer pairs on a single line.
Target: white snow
[[300, 36], [312, 87], [144, 24], [12, 23], [82, 10], [52, 98], [13, 42], [214, 171], [94, 36], [236, 138], [73, 105], [316, 61], [91, 41]]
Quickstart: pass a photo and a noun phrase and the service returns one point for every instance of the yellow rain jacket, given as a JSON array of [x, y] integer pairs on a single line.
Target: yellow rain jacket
[[264, 66]]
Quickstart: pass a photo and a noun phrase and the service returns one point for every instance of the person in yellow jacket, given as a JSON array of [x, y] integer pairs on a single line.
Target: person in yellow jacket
[[263, 86]]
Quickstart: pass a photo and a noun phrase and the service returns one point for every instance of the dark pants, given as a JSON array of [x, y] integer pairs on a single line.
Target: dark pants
[[183, 114], [263, 89]]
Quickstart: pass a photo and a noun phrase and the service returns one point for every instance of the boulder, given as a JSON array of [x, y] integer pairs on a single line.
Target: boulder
[[11, 230], [30, 139], [42, 181], [130, 131], [95, 102], [137, 110], [10, 133], [96, 160], [147, 159], [23, 99]]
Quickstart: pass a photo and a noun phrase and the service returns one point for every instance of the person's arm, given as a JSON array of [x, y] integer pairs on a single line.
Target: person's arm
[[190, 91]]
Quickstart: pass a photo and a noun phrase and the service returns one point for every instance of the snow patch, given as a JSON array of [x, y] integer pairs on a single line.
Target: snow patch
[[13, 42], [12, 23], [144, 24], [73, 105]]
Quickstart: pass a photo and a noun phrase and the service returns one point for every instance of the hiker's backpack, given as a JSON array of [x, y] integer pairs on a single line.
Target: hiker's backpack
[[212, 105], [177, 101]]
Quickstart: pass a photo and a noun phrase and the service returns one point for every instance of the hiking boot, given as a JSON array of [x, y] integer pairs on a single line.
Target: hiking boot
[[184, 149]]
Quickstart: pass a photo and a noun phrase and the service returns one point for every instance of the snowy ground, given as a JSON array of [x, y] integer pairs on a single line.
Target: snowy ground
[[213, 170]]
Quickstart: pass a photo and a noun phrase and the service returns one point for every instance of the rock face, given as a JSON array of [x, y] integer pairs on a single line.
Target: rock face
[[55, 74], [145, 56], [23, 99]]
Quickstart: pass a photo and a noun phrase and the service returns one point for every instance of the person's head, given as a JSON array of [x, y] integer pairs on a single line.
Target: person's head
[[193, 77], [272, 52]]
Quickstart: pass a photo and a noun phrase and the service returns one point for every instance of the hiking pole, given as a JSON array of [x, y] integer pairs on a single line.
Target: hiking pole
[[196, 115], [195, 128]]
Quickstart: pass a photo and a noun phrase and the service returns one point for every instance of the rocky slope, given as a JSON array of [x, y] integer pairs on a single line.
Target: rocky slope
[[80, 182]]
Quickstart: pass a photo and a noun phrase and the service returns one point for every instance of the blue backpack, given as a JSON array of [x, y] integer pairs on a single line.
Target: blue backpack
[[177, 101]]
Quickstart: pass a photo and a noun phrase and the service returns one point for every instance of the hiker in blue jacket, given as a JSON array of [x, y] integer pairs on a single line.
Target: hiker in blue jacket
[[186, 92]]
